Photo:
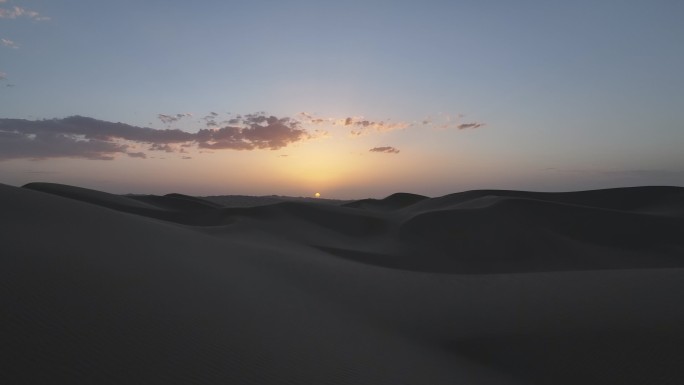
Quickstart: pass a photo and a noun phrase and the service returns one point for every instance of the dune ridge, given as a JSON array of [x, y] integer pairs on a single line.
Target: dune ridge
[[480, 287]]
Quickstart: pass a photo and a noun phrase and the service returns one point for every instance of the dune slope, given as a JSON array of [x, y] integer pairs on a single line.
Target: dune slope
[[481, 287]]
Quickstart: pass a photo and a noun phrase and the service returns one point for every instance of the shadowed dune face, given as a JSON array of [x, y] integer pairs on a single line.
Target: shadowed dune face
[[480, 287], [519, 234], [392, 202], [177, 202]]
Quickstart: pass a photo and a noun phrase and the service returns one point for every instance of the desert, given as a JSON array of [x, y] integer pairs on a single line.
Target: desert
[[478, 287]]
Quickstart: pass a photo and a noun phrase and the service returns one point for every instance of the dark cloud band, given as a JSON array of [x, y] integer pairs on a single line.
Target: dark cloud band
[[89, 138]]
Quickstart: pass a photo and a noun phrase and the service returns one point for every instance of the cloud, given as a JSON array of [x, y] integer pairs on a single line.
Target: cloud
[[210, 120], [360, 126], [168, 119], [357, 125], [463, 126], [137, 155], [363, 126], [386, 150], [17, 12], [47, 144], [253, 131], [102, 130], [3, 75], [161, 147], [9, 43], [83, 137], [447, 122]]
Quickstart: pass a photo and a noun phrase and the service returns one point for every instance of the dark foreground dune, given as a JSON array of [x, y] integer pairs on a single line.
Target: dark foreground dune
[[480, 287]]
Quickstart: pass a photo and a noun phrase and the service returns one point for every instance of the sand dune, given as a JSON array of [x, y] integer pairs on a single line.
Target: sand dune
[[479, 287]]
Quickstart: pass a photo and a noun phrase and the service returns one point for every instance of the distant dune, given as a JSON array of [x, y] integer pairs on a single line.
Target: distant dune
[[478, 287], [252, 201]]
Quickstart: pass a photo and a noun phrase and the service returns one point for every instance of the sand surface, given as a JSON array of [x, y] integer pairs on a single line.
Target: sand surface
[[479, 287]]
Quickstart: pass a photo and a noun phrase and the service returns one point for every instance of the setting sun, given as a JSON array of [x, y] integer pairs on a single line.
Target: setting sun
[[317, 195]]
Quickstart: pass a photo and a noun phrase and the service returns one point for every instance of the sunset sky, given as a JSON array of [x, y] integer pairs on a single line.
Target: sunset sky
[[351, 99]]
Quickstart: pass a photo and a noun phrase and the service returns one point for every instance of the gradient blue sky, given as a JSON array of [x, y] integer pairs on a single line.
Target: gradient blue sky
[[570, 95]]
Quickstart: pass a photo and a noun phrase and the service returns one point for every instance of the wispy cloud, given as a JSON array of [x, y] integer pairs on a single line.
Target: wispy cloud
[[449, 122], [89, 138], [463, 126], [360, 126], [385, 149], [9, 43], [168, 119], [18, 12], [357, 125], [3, 75]]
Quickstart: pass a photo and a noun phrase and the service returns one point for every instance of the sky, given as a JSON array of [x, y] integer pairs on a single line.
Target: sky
[[351, 99]]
